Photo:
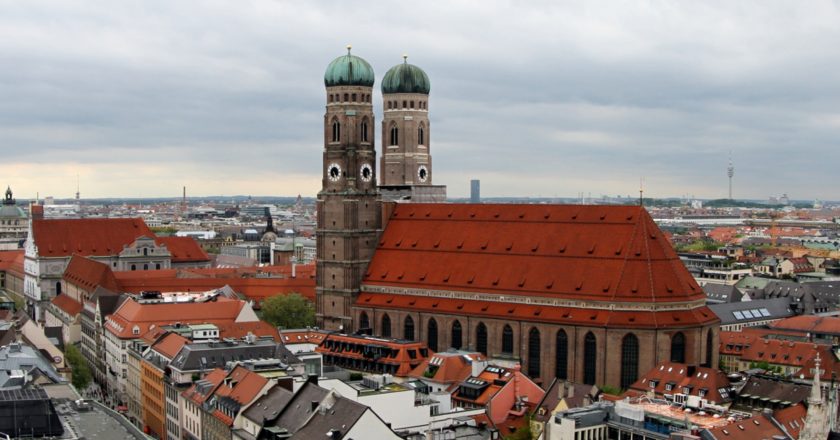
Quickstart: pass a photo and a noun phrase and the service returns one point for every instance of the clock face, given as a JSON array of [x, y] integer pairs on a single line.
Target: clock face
[[334, 172], [366, 172], [422, 173]]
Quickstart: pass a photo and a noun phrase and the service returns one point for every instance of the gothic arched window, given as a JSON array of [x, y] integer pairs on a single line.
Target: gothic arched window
[[481, 338], [561, 356], [590, 353], [678, 348], [386, 326], [457, 340], [534, 353], [364, 321], [507, 340], [408, 329], [432, 334], [364, 129], [395, 136], [336, 131], [421, 138], [629, 360]]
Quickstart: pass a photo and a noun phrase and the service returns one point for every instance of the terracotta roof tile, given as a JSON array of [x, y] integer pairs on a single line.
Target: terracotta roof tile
[[131, 313], [65, 237], [672, 378], [607, 253], [89, 274], [67, 305], [170, 344], [183, 249]]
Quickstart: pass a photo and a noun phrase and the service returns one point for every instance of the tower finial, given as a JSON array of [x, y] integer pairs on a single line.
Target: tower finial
[[349, 46], [405, 58]]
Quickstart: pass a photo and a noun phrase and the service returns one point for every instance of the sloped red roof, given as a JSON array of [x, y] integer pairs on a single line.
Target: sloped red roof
[[538, 313], [758, 427], [170, 344], [781, 352], [241, 385], [105, 236], [12, 261], [681, 378], [792, 418], [220, 312], [601, 253], [67, 305], [237, 330], [183, 249], [810, 324], [89, 274], [448, 367]]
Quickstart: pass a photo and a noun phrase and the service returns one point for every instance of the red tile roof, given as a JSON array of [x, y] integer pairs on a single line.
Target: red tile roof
[[758, 427], [781, 352], [221, 311], [65, 237], [89, 274], [170, 345], [302, 336], [792, 418], [12, 262], [537, 313], [829, 325], [399, 358], [67, 305], [604, 253], [239, 330], [447, 368], [681, 378], [183, 249], [241, 385]]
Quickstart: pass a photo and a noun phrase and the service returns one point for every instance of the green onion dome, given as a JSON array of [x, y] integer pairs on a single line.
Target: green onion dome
[[349, 70], [406, 78]]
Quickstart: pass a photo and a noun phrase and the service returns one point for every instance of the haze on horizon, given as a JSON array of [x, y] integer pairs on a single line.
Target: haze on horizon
[[141, 98]]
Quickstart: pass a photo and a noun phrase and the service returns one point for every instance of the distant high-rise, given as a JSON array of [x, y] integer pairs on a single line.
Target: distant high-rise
[[475, 191], [730, 171]]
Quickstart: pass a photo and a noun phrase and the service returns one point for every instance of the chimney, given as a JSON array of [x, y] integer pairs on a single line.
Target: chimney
[[36, 212], [570, 389], [561, 389]]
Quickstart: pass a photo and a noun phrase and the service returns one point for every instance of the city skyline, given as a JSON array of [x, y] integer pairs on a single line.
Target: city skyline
[[540, 101]]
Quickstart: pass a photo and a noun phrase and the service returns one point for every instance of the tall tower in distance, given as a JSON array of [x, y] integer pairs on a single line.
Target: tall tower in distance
[[730, 171], [349, 219], [406, 163]]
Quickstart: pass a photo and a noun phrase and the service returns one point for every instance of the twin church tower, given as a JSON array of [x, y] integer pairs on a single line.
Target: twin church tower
[[350, 201]]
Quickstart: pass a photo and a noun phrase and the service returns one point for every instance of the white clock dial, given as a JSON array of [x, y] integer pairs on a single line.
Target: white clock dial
[[366, 172], [422, 173], [334, 172]]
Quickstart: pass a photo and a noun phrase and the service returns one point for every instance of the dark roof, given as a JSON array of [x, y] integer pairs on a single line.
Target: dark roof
[[775, 389], [217, 354], [721, 293], [333, 413], [300, 409], [751, 311], [28, 412], [268, 407]]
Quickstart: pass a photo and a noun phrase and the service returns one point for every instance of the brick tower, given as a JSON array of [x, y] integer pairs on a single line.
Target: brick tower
[[348, 204]]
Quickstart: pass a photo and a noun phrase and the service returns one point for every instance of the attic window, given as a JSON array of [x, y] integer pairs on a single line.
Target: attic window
[[591, 249], [562, 249], [549, 284], [397, 244], [384, 274], [522, 282], [437, 244], [414, 243], [423, 276], [496, 215], [579, 285], [521, 215], [618, 251], [461, 244], [496, 281], [537, 312], [446, 278], [547, 215], [509, 246], [536, 246], [471, 279], [484, 245]]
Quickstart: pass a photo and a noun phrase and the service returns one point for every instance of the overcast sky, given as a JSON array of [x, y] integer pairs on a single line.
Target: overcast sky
[[534, 98]]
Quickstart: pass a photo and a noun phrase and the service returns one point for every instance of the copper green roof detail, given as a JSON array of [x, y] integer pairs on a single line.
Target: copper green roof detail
[[349, 70], [406, 78]]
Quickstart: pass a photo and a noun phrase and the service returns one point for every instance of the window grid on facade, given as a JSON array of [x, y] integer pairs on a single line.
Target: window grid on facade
[[561, 357], [408, 328], [481, 338], [629, 360], [457, 340], [432, 334], [534, 352], [590, 352], [507, 340], [364, 322], [386, 326]]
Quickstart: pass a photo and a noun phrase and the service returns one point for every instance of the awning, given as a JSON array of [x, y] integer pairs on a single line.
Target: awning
[[764, 399], [786, 403], [746, 395], [775, 401]]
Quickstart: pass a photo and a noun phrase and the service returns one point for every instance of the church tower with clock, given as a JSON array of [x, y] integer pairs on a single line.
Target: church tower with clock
[[349, 206], [406, 163]]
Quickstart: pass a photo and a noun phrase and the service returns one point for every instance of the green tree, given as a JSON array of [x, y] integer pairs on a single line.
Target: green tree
[[78, 367], [288, 311]]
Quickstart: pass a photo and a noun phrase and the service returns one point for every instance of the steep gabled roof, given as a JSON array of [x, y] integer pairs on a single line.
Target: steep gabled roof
[[65, 237], [66, 304], [130, 313], [89, 274], [183, 249], [600, 253]]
